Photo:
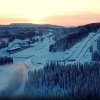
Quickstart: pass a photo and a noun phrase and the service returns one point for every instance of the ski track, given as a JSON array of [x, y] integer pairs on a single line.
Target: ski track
[[81, 47], [88, 45], [73, 54]]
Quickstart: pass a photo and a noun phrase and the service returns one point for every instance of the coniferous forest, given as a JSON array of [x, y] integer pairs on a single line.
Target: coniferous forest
[[58, 81], [73, 81], [71, 36], [5, 60]]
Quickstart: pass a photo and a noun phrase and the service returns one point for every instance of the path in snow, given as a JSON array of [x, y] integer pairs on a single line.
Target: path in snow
[[14, 44], [22, 56], [81, 47], [88, 45]]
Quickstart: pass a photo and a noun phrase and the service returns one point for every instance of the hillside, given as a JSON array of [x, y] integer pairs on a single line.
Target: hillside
[[26, 51]]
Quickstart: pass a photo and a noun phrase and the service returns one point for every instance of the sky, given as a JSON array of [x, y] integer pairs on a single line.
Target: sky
[[56, 12]]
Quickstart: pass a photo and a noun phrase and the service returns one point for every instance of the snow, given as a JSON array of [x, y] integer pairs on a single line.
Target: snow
[[25, 76], [98, 31], [82, 54], [88, 44], [14, 48], [15, 41], [25, 52], [8, 71], [35, 57], [5, 75], [82, 45], [41, 53], [28, 61], [18, 60]]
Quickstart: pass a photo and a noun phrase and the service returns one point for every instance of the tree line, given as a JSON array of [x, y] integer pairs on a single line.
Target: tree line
[[71, 36], [20, 33], [72, 81], [6, 60]]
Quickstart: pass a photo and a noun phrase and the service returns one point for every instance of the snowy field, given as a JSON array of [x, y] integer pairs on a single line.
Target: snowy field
[[5, 75], [35, 57], [39, 53]]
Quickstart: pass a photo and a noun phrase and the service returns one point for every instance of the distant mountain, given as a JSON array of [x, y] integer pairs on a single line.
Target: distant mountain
[[35, 25]]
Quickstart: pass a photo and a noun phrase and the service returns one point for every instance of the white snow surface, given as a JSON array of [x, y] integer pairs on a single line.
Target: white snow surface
[[5, 75], [81, 47], [35, 57]]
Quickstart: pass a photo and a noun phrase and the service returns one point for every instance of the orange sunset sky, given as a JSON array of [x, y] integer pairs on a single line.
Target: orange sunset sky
[[56, 12]]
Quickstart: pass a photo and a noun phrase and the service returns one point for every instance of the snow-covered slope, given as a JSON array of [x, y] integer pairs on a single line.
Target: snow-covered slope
[[81, 47], [35, 56]]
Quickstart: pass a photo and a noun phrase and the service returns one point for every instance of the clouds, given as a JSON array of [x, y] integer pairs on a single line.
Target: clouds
[[73, 19], [13, 18], [47, 10], [50, 6]]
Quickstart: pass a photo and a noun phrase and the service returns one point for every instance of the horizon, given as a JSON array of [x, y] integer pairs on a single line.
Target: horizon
[[55, 12], [48, 24]]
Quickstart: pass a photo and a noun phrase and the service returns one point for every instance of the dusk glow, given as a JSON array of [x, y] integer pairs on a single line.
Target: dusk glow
[[56, 12]]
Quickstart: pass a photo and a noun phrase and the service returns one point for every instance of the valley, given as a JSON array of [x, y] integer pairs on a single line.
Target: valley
[[34, 53]]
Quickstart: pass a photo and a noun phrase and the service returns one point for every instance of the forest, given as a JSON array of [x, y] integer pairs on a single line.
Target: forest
[[55, 80], [10, 34], [73, 81], [69, 37], [5, 60]]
